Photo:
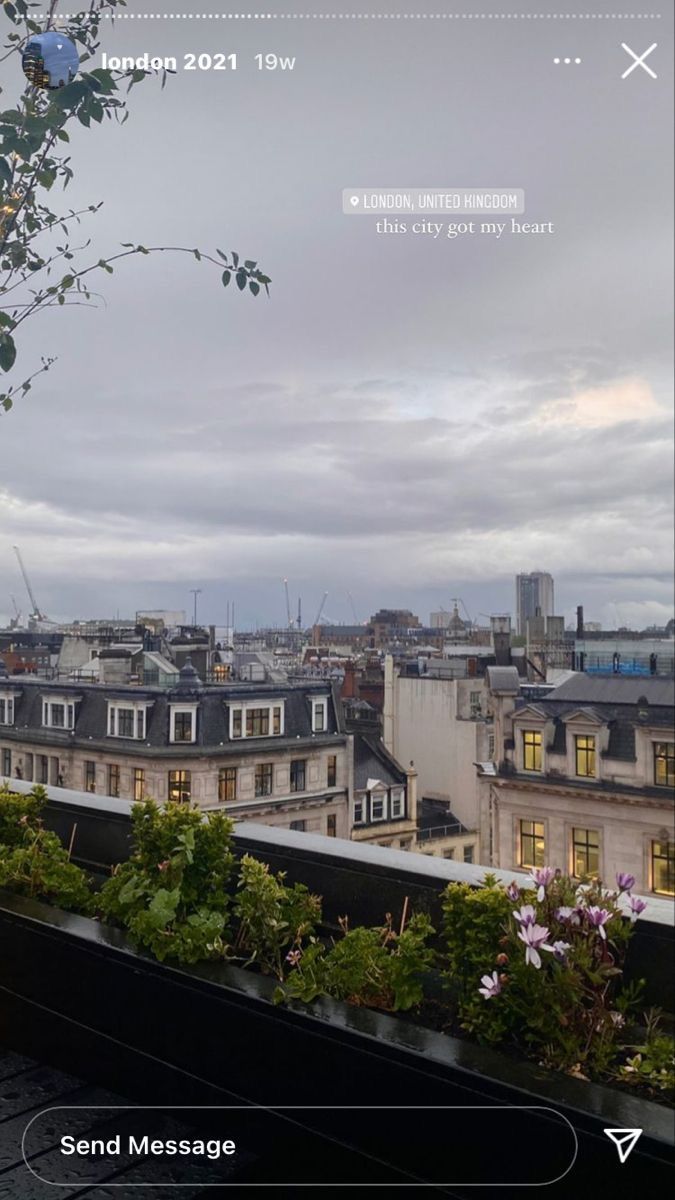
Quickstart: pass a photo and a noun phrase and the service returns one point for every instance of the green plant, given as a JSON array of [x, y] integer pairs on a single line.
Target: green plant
[[32, 860], [172, 895], [274, 919], [375, 967], [35, 240], [650, 1065], [551, 972]]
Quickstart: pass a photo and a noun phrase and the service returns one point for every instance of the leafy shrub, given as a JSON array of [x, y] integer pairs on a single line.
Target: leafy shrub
[[375, 967], [274, 919], [651, 1064], [32, 860], [172, 895], [551, 971]]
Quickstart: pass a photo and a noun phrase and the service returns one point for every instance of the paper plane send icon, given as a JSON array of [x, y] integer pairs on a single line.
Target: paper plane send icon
[[624, 1139]]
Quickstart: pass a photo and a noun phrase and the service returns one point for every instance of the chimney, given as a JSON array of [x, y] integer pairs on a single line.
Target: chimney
[[411, 792], [580, 620]]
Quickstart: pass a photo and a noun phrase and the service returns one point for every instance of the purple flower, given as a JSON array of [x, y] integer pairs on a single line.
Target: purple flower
[[625, 882], [513, 892], [534, 937], [491, 986], [598, 918], [565, 913], [542, 876], [636, 907], [559, 950], [525, 915], [293, 957]]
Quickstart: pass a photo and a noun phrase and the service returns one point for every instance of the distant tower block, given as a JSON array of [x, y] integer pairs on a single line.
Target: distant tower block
[[534, 598]]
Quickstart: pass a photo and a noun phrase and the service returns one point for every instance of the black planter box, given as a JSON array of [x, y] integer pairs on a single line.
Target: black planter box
[[76, 995]]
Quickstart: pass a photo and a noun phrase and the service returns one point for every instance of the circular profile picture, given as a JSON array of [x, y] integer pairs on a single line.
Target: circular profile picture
[[50, 60]]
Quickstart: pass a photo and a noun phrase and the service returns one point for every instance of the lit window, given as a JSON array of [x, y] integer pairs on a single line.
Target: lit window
[[585, 756], [664, 764], [113, 780], [585, 852], [257, 721], [532, 844], [180, 786], [663, 868], [263, 779], [532, 749], [236, 722], [90, 777], [331, 825], [139, 783], [332, 770], [6, 710], [227, 784], [276, 720], [298, 772]]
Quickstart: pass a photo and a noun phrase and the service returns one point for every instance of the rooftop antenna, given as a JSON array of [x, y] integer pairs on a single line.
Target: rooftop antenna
[[289, 619], [299, 613]]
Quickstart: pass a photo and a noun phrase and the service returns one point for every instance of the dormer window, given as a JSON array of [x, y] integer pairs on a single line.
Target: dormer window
[[320, 715], [183, 723], [6, 709], [256, 720], [127, 719], [58, 713]]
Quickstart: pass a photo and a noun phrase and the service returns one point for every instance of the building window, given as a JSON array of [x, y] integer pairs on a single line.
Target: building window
[[7, 763], [319, 722], [263, 779], [183, 724], [28, 767], [664, 764], [475, 704], [359, 811], [468, 854], [57, 714], [179, 787], [54, 771], [227, 784], [448, 854], [532, 844], [663, 868], [532, 749], [397, 803], [585, 852], [298, 771], [257, 721], [139, 783], [43, 768], [584, 749], [332, 770], [126, 722], [331, 825], [6, 710], [90, 777], [113, 780], [299, 826], [491, 746], [378, 806]]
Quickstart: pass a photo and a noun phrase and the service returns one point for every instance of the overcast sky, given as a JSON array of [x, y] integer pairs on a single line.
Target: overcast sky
[[404, 419]]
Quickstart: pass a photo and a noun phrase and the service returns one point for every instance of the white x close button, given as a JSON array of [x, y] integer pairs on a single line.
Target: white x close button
[[639, 60]]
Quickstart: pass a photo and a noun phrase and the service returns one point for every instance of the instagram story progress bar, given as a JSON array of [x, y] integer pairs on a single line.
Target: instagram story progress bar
[[462, 200]]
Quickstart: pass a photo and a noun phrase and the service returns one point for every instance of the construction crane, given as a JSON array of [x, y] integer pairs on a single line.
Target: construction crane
[[15, 621], [321, 608], [36, 614], [289, 619]]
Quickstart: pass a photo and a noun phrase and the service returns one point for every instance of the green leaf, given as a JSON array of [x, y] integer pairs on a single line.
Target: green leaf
[[197, 255], [227, 275], [241, 280], [255, 287], [222, 255], [163, 906], [5, 170], [250, 266], [7, 352], [235, 258]]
